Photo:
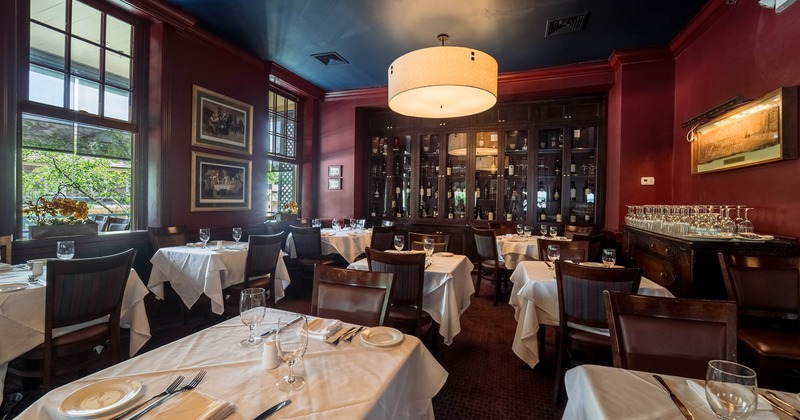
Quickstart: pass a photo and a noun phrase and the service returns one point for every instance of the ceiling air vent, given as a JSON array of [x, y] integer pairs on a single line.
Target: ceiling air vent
[[565, 25], [330, 58]]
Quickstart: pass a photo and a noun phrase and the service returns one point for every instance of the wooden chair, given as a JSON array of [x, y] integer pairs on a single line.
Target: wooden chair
[[5, 248], [354, 296], [405, 311], [570, 230], [489, 264], [668, 335], [382, 238], [79, 291], [263, 252], [580, 303], [119, 221], [595, 244], [118, 227], [308, 246], [101, 223], [767, 295], [441, 241], [575, 251], [278, 227], [163, 237]]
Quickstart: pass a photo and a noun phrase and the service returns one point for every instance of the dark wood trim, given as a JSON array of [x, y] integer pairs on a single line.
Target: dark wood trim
[[9, 86], [294, 83], [709, 14], [639, 55]]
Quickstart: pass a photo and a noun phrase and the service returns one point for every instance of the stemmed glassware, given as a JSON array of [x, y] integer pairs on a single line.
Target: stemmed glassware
[[745, 226], [205, 235], [316, 223], [609, 257], [553, 231], [291, 342], [252, 307], [335, 224], [526, 231], [237, 234], [399, 242], [553, 253], [520, 229], [543, 230], [353, 224], [731, 389], [427, 245], [65, 250]]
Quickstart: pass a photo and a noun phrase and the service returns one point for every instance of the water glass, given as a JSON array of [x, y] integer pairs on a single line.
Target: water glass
[[335, 224], [237, 234], [316, 223], [553, 231], [609, 257], [353, 224], [527, 231], [520, 230], [427, 245], [543, 230], [731, 389], [65, 250], [252, 307], [205, 235], [553, 253], [399, 242], [291, 342]]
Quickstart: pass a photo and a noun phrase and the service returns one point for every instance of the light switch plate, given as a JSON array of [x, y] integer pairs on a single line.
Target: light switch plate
[[648, 180]]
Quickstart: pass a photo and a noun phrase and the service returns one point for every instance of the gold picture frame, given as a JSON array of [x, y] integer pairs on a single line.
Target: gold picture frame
[[760, 131], [220, 122], [220, 183]]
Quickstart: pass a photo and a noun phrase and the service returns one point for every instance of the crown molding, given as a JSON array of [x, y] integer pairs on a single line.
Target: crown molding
[[709, 14], [293, 82], [639, 55]]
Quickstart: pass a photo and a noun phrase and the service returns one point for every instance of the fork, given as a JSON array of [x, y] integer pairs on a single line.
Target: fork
[[339, 338], [187, 387], [351, 336], [169, 390]]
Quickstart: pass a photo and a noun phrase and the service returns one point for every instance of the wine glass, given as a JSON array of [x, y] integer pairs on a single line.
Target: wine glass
[[746, 226], [252, 306], [316, 223], [353, 224], [553, 253], [65, 250], [527, 231], [543, 230], [427, 245], [335, 224], [553, 231], [399, 242], [291, 342], [609, 257], [205, 235], [731, 389], [520, 229], [237, 234]]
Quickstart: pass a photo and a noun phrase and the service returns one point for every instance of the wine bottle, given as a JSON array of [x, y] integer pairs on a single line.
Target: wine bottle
[[477, 213], [477, 190], [377, 192], [450, 191], [449, 167], [428, 190], [437, 168], [573, 192], [397, 189], [450, 212], [374, 211], [557, 168], [573, 218], [556, 192], [524, 143], [490, 215], [510, 166], [422, 192], [436, 193], [572, 165], [436, 211], [558, 216], [486, 190], [542, 216], [509, 215]]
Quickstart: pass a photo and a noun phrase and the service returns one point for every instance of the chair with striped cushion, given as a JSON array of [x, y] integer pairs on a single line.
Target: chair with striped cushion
[[79, 291], [580, 306], [263, 252]]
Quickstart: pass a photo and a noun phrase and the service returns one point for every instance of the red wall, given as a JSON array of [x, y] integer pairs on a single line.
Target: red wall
[[749, 51]]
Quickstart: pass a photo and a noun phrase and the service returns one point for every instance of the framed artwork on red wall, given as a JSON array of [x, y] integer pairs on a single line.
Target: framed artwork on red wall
[[220, 183], [220, 122]]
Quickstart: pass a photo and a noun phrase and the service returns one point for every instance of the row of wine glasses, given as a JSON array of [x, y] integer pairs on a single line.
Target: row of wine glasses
[[699, 219], [526, 231], [291, 336], [205, 235], [609, 256]]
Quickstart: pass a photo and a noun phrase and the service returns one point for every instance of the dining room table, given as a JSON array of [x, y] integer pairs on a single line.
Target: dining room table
[[447, 290], [360, 379], [348, 242], [194, 270], [604, 392], [534, 297], [22, 314]]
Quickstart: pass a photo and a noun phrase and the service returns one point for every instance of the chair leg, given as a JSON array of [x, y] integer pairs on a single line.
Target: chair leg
[[559, 368], [542, 338], [478, 283]]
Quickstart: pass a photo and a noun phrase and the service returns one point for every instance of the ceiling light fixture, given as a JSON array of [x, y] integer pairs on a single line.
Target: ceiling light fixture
[[442, 82]]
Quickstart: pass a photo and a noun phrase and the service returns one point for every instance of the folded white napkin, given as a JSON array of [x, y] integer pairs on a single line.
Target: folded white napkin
[[193, 405], [322, 329], [763, 410], [6, 267]]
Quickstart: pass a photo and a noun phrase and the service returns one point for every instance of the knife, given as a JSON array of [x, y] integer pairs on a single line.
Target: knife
[[272, 410], [685, 411], [275, 330]]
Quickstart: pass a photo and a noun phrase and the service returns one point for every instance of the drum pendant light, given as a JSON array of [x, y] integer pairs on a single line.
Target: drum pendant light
[[442, 82]]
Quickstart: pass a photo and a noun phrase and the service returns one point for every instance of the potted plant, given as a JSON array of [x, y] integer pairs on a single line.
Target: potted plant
[[291, 210], [58, 216]]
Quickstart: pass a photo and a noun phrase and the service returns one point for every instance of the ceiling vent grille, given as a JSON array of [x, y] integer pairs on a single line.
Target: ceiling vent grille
[[330, 58], [565, 25]]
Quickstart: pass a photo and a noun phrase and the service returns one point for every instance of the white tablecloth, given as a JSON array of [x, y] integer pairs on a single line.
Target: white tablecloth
[[602, 392], [346, 242], [22, 317], [350, 381], [193, 271], [534, 297], [448, 287]]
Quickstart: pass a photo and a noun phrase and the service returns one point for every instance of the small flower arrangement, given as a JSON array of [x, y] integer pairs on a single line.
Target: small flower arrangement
[[59, 210], [291, 207]]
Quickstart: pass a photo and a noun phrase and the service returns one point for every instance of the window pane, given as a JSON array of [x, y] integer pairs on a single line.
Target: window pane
[[103, 142], [85, 59], [290, 107], [86, 22], [46, 86], [117, 104], [281, 185], [47, 133], [118, 70], [118, 35], [51, 12], [84, 95], [47, 46]]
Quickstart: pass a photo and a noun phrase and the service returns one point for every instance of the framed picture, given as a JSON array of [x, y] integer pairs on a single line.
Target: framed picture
[[335, 171], [760, 131], [220, 122], [334, 183], [220, 183]]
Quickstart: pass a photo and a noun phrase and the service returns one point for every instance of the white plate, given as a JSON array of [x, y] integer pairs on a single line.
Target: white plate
[[381, 336], [12, 287], [101, 397], [444, 254]]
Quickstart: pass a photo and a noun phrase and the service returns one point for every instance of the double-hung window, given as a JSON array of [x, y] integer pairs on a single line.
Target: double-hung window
[[282, 151]]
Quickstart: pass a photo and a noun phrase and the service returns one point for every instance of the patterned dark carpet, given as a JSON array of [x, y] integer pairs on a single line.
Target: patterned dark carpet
[[486, 380]]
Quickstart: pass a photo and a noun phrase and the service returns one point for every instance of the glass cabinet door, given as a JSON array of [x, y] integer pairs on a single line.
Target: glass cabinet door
[[430, 171], [549, 170], [455, 176], [582, 169], [486, 176], [378, 197], [515, 197]]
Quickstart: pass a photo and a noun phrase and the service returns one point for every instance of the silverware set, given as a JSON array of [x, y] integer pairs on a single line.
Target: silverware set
[[777, 401], [171, 390], [172, 387], [348, 335]]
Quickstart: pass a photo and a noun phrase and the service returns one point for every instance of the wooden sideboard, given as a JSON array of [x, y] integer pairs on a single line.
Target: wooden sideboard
[[690, 268]]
